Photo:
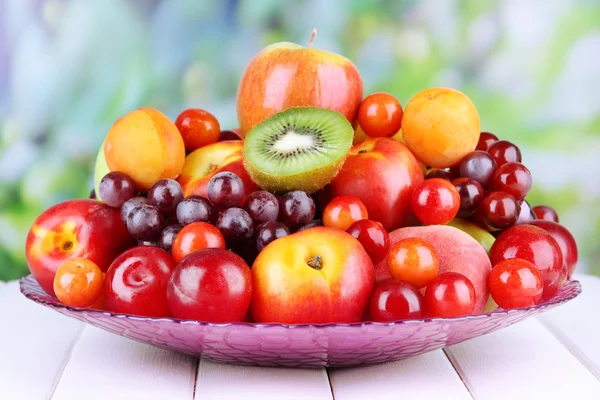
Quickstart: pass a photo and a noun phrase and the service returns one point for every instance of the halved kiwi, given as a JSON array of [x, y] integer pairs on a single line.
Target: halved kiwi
[[301, 148]]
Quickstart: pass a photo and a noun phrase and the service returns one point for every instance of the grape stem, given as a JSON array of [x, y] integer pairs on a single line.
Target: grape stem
[[313, 36]]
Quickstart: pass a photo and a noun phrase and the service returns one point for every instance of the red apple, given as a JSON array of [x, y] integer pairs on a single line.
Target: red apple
[[537, 246], [565, 240], [201, 165], [318, 275], [383, 173], [74, 228], [287, 75]]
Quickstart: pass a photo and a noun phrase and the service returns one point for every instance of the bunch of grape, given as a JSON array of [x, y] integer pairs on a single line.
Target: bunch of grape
[[492, 184], [246, 225]]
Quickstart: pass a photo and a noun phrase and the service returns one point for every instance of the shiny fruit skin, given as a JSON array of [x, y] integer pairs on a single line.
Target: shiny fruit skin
[[268, 232], [512, 178], [383, 174], [565, 241], [486, 139], [311, 224], [394, 301], [198, 128], [145, 222], [196, 236], [288, 290], [545, 213], [515, 283], [136, 282], [116, 188], [500, 210], [195, 209], [262, 206], [78, 282], [130, 205], [343, 211], [380, 115], [413, 261], [74, 228], [439, 173], [435, 201], [285, 75], [504, 152], [168, 235], [165, 195], [526, 215], [537, 246], [212, 285], [471, 194], [235, 224], [226, 189], [449, 295], [478, 165], [373, 237], [440, 126], [296, 208]]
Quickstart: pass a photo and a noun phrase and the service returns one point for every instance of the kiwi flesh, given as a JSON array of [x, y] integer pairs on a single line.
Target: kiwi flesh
[[301, 148]]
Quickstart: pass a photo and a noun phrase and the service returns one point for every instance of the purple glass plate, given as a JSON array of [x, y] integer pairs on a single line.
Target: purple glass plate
[[336, 345]]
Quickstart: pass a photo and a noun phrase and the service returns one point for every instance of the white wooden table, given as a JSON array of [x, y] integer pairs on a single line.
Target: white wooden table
[[44, 355]]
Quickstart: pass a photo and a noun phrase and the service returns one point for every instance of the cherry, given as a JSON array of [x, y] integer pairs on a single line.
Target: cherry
[[486, 139], [78, 282], [198, 128], [392, 301], [343, 211], [504, 152], [512, 178], [373, 237], [210, 285], [136, 282], [449, 295], [196, 236], [380, 115], [435, 201], [413, 261], [546, 213], [515, 283]]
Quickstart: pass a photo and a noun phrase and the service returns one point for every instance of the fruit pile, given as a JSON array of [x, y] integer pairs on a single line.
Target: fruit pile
[[323, 207]]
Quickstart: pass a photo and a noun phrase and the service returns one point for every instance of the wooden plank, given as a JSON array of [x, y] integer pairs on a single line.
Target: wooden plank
[[524, 361], [35, 345], [222, 381], [426, 376], [577, 323], [106, 366]]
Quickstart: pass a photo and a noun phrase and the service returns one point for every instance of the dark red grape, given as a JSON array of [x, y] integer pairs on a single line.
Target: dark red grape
[[262, 206], [235, 224], [167, 236], [486, 139], [439, 173], [504, 152], [526, 215], [546, 213], [269, 231], [311, 224], [146, 243], [145, 222], [513, 178], [116, 188], [500, 210], [165, 194], [130, 205], [471, 193], [478, 165], [228, 135], [92, 194], [296, 208], [195, 209], [226, 189]]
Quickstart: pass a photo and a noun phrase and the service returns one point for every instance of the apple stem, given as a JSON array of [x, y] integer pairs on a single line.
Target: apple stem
[[313, 36], [315, 263]]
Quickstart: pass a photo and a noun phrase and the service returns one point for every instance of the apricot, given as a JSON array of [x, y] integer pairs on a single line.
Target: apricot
[[440, 126], [146, 146]]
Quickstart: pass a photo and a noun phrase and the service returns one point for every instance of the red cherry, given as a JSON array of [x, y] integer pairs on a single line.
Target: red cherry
[[515, 283], [380, 115], [486, 139], [435, 201], [537, 246], [504, 152], [546, 213], [373, 236], [136, 282], [392, 301], [565, 240], [196, 236], [210, 285], [198, 128], [512, 178], [449, 295], [343, 211]]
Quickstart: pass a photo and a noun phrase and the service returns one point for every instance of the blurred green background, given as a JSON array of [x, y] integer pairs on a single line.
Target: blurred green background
[[69, 68]]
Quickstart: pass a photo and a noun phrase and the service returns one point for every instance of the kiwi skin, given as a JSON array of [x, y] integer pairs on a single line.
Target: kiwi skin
[[310, 180]]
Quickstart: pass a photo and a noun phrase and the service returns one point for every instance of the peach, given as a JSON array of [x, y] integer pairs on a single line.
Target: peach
[[145, 145], [202, 164], [457, 252], [440, 126]]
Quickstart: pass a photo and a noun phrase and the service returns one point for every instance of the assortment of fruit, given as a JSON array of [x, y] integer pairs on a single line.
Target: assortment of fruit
[[322, 207]]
